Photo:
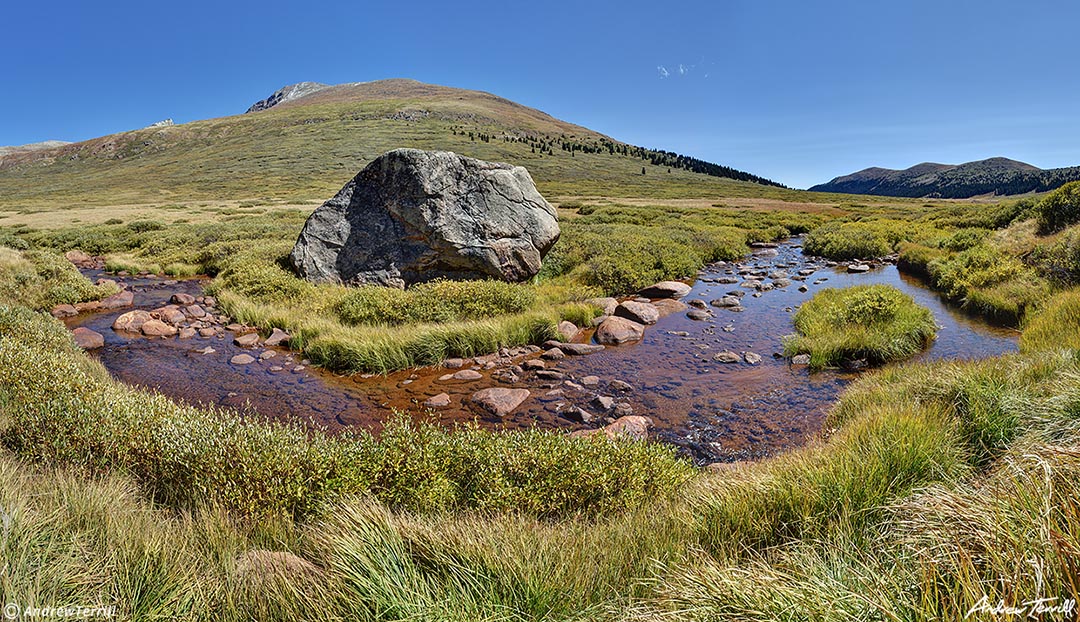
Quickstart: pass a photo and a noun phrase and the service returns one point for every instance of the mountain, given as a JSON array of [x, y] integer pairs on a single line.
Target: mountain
[[304, 141], [48, 144], [287, 94], [998, 176]]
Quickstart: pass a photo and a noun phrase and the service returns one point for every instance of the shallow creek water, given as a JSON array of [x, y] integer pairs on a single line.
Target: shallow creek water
[[713, 411]]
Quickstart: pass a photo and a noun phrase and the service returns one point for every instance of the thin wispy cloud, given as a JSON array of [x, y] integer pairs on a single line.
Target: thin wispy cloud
[[682, 70]]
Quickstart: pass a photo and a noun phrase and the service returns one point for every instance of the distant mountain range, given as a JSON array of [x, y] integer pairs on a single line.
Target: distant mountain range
[[995, 176]]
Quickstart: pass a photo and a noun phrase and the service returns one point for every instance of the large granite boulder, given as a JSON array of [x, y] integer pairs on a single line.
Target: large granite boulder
[[412, 216]]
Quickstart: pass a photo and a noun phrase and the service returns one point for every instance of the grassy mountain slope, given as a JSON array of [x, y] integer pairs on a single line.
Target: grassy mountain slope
[[306, 149], [999, 176]]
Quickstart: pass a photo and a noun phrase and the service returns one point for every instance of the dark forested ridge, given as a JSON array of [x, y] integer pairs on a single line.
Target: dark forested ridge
[[997, 176]]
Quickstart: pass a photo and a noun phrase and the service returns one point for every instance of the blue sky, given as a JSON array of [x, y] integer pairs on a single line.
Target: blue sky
[[796, 91]]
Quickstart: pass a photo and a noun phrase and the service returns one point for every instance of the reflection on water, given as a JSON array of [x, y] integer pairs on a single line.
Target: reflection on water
[[714, 411]]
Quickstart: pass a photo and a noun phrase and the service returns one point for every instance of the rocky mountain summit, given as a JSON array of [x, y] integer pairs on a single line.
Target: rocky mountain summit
[[412, 216], [287, 93]]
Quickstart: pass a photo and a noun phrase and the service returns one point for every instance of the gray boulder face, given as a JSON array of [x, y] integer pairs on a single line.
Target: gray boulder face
[[413, 216]]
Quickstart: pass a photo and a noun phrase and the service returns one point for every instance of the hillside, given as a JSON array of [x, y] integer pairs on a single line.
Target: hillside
[[14, 149], [304, 141], [998, 176]]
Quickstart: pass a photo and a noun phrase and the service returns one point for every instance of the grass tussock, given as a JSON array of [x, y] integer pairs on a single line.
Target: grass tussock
[[877, 323], [434, 302], [1054, 327]]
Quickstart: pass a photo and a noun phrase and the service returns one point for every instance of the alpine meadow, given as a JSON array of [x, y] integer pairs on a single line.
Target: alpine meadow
[[391, 350]]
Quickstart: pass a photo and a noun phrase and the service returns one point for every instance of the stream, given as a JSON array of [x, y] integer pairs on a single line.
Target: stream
[[711, 411]]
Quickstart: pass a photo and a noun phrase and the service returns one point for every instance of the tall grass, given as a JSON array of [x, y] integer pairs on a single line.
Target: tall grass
[[877, 323], [1054, 327]]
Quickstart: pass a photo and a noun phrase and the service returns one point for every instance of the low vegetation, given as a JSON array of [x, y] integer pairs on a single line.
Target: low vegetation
[[607, 249], [43, 280], [1060, 208], [1001, 261], [932, 486], [61, 409], [939, 481], [875, 323]]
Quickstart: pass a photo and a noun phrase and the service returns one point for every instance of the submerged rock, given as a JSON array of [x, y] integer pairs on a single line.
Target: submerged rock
[[119, 300], [580, 349], [88, 339], [441, 400], [633, 427], [467, 375], [666, 289], [727, 357], [499, 401], [617, 330], [246, 340], [668, 306], [726, 302], [157, 328], [277, 337], [412, 216], [132, 321]]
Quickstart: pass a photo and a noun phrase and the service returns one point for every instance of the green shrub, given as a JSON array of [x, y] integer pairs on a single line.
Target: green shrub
[[916, 258], [808, 494], [41, 280], [1060, 261], [1008, 302], [1060, 208], [964, 239], [261, 280], [851, 240], [623, 258], [878, 323], [979, 266], [142, 226]]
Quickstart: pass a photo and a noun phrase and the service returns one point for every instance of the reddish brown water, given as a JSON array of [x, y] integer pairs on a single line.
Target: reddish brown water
[[711, 410]]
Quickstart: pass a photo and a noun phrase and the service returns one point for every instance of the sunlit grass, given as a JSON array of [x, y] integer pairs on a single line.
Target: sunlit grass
[[877, 323]]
